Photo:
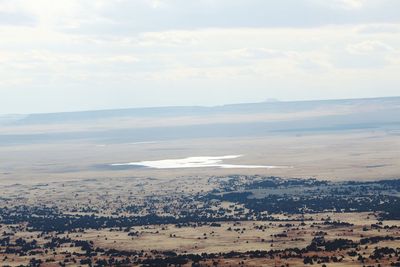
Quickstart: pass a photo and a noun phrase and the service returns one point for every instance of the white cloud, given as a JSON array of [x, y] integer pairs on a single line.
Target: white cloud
[[351, 4], [127, 52], [340, 4], [369, 46], [385, 28]]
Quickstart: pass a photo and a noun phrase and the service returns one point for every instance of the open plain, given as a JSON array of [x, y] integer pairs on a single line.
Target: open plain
[[337, 140], [268, 184]]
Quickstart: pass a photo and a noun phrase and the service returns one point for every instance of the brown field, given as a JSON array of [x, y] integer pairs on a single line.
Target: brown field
[[65, 166], [244, 236], [353, 155]]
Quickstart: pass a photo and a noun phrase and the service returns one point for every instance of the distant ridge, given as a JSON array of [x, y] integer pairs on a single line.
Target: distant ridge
[[235, 120], [170, 111]]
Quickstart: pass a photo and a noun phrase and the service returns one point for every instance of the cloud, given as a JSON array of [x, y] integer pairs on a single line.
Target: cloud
[[193, 52], [369, 46], [349, 4], [361, 7], [17, 19], [384, 28], [258, 53], [121, 17]]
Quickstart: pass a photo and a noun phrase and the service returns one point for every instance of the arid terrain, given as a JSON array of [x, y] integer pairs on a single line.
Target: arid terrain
[[336, 139], [193, 221], [284, 184]]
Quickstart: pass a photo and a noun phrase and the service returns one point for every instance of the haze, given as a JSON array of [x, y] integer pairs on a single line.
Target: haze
[[199, 133], [84, 55]]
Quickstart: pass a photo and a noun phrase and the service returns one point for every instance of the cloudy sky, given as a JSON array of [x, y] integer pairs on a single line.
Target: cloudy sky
[[95, 54]]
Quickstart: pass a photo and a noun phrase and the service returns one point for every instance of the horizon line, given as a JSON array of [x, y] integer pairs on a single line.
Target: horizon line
[[273, 101]]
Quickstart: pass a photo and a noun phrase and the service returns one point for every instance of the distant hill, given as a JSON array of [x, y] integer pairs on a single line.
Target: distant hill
[[238, 120], [248, 108]]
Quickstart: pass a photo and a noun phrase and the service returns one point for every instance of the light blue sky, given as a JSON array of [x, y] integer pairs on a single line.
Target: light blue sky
[[87, 54]]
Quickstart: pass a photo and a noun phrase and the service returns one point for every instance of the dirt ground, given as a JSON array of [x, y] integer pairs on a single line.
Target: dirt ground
[[352, 155]]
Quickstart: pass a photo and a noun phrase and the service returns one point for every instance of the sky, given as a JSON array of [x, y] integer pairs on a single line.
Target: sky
[[101, 54]]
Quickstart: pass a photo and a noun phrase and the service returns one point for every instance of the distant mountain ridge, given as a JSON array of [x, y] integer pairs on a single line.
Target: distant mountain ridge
[[244, 108]]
